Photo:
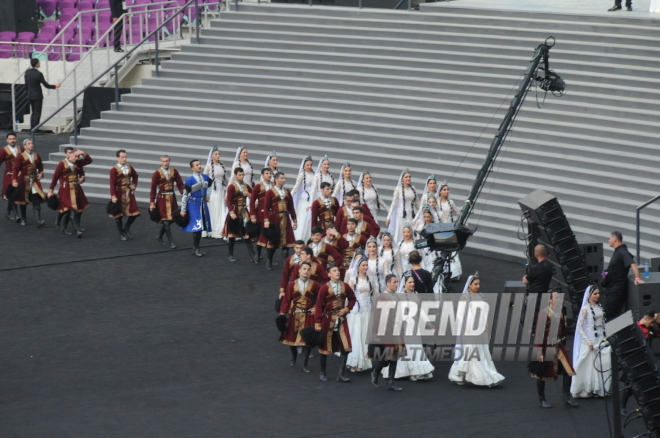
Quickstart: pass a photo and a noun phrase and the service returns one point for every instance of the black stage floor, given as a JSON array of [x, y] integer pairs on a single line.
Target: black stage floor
[[103, 338]]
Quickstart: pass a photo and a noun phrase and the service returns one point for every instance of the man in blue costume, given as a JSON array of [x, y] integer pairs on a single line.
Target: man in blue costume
[[195, 203]]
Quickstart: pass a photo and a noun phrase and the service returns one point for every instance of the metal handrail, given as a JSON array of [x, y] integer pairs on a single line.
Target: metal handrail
[[116, 72], [359, 4], [638, 212]]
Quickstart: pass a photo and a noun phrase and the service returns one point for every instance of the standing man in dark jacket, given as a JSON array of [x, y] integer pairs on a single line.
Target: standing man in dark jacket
[[540, 275], [117, 10], [615, 282], [34, 79]]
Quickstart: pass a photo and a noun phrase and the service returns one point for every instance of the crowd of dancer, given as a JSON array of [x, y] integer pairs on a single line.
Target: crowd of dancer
[[341, 254]]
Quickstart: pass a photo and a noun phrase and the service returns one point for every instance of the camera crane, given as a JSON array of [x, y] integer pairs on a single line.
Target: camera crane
[[446, 238]]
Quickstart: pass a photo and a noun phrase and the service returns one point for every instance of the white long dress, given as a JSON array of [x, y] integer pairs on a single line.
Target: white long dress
[[476, 364], [391, 259], [449, 213], [397, 210], [587, 380], [369, 197], [342, 187], [358, 323], [655, 6], [405, 248], [304, 184], [379, 269], [414, 363], [217, 202], [316, 184]]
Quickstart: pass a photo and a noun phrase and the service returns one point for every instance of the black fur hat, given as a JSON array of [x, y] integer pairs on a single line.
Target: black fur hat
[[280, 322], [272, 234], [181, 221], [13, 193], [252, 230], [52, 202], [113, 208], [311, 337], [154, 215]]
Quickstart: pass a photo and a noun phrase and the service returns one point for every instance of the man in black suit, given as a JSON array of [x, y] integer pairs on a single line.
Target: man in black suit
[[34, 79], [540, 275], [117, 10]]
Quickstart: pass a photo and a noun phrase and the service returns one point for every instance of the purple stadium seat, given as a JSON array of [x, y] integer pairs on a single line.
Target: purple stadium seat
[[8, 34], [42, 39], [87, 18], [48, 7], [85, 5], [23, 35], [67, 4], [143, 5], [102, 4]]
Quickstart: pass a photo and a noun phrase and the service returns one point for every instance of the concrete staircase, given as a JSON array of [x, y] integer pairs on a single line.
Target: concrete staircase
[[387, 90]]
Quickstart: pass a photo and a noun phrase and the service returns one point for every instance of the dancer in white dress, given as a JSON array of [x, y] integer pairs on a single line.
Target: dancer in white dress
[[404, 206], [322, 175], [302, 199], [423, 217], [217, 204], [590, 354], [345, 184], [449, 213], [475, 365], [415, 364], [406, 246], [241, 160], [431, 187], [358, 321], [369, 194], [389, 254], [379, 267]]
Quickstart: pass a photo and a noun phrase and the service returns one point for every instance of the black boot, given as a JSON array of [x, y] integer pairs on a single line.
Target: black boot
[[375, 373], [250, 248], [285, 254], [294, 355], [120, 227], [197, 237], [17, 213], [567, 397], [161, 232], [540, 388], [269, 263], [342, 367], [168, 231], [37, 214], [66, 217], [127, 227], [306, 351], [10, 212], [75, 218], [390, 380], [259, 258], [324, 362], [22, 214], [230, 245]]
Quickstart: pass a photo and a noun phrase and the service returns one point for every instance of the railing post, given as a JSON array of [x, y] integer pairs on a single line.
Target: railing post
[[237, 5], [13, 106], [360, 4], [197, 19], [75, 124], [639, 238], [157, 72], [409, 5], [116, 87]]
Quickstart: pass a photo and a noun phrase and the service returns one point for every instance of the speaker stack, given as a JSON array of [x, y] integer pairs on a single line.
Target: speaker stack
[[640, 369], [548, 226]]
